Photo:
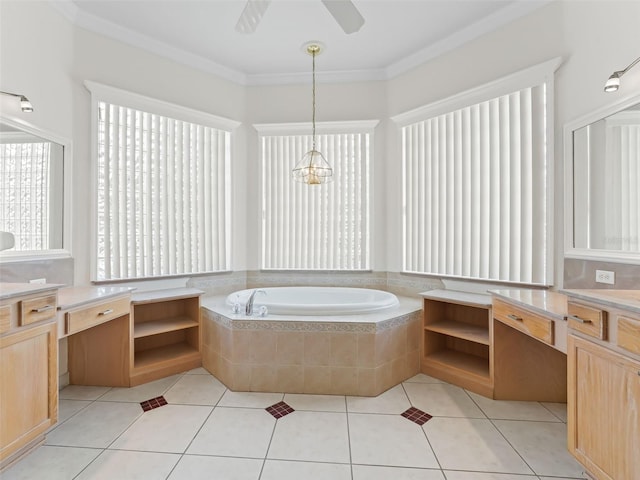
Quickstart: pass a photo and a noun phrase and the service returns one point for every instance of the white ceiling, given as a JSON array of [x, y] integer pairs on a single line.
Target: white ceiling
[[397, 34]]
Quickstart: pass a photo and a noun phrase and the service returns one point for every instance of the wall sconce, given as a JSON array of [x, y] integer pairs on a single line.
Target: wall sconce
[[25, 104], [613, 83]]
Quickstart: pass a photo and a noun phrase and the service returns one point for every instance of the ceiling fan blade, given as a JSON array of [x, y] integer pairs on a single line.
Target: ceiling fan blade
[[346, 14], [251, 15]]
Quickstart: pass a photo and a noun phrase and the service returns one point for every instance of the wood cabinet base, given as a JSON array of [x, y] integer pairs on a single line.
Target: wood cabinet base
[[526, 369], [100, 355], [28, 388], [604, 410]]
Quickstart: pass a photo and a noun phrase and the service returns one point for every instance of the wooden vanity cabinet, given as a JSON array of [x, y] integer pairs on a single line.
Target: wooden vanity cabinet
[[28, 371], [604, 410], [604, 395]]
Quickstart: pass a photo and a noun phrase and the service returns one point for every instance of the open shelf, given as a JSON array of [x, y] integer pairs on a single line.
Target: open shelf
[[166, 333], [145, 329], [464, 362], [473, 333], [167, 353], [456, 341]]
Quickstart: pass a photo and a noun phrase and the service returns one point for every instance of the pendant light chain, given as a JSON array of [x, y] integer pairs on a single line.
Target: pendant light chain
[[312, 168], [313, 96]]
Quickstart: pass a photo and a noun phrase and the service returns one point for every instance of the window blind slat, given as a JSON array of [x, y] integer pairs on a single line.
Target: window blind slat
[[315, 227], [162, 195], [474, 184]]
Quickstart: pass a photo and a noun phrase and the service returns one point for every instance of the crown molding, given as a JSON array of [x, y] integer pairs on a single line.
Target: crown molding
[[488, 24], [111, 30]]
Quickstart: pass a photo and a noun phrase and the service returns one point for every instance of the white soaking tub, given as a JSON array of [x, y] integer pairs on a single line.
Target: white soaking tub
[[316, 300]]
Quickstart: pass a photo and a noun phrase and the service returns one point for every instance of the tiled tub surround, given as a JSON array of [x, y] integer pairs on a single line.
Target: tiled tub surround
[[342, 355]]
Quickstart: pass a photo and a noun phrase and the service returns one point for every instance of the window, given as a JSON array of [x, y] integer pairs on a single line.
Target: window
[[162, 189], [316, 227], [476, 182]]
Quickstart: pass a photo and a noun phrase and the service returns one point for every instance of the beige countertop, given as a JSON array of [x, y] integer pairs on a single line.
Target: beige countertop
[[152, 296], [72, 297], [469, 298], [623, 299], [546, 302], [10, 290]]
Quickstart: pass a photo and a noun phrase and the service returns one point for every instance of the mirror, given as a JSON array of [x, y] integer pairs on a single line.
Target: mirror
[[605, 200], [32, 192]]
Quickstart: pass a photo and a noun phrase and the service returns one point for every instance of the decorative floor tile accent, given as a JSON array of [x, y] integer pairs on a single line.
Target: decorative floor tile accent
[[153, 403], [416, 415], [279, 410]]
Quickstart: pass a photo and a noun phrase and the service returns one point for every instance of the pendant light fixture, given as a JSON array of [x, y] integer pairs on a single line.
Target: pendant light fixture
[[313, 169]]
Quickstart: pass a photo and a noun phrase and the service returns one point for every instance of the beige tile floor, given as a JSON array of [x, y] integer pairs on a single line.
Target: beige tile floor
[[209, 432]]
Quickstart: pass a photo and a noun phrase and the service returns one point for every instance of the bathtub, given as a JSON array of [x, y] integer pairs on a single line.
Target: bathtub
[[317, 340], [316, 300]]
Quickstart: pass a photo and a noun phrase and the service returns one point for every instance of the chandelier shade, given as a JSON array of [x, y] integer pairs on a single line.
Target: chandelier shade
[[312, 169]]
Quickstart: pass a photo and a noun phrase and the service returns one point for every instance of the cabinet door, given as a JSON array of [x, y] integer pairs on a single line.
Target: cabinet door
[[28, 386], [604, 410]]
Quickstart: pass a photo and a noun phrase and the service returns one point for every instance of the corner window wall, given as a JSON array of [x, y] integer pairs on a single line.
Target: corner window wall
[[316, 227], [163, 175], [477, 182]]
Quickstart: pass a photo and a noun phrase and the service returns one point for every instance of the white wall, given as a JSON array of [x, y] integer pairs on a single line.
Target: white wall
[[44, 56], [36, 55]]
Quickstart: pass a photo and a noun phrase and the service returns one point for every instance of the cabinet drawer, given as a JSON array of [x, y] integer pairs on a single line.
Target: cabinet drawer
[[527, 322], [629, 334], [588, 320], [5, 318], [84, 318], [37, 309]]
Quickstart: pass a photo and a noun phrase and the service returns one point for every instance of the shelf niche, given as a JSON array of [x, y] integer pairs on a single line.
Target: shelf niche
[[166, 333], [456, 339]]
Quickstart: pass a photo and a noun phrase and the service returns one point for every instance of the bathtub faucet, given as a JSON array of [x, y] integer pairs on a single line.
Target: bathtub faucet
[[248, 309]]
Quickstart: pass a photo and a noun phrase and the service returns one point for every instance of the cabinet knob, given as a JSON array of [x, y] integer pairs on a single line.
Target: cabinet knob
[[106, 312], [516, 318]]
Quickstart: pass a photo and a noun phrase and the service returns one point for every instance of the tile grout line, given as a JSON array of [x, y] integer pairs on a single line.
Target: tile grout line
[[266, 453], [552, 412], [425, 433], [90, 463], [503, 436], [346, 411], [103, 449], [198, 431]]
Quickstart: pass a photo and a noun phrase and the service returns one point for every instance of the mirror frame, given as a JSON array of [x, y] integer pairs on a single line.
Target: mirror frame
[[9, 256], [570, 251]]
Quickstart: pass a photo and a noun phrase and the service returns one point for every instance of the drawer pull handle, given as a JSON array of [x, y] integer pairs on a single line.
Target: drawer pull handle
[[516, 318], [578, 319], [42, 309], [106, 312]]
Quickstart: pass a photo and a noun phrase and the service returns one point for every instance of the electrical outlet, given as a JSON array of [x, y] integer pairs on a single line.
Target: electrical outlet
[[38, 281], [604, 276]]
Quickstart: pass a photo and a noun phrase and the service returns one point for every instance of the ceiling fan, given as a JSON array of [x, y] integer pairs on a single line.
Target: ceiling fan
[[344, 12]]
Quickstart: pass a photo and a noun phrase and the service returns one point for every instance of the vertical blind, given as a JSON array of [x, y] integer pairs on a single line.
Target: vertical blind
[[315, 227], [24, 193], [475, 191], [163, 195], [622, 184]]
